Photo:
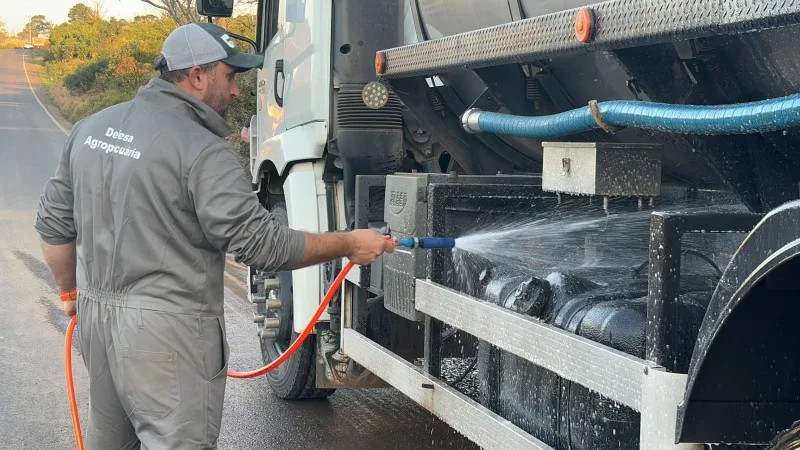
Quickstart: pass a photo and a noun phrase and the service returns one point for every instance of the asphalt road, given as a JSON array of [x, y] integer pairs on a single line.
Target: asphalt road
[[34, 412]]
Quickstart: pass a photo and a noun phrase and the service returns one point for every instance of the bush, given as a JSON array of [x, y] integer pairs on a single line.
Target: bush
[[44, 54], [83, 79], [127, 73], [77, 107], [242, 109]]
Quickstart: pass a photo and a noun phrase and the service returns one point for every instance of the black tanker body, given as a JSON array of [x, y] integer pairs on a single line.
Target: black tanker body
[[717, 300]]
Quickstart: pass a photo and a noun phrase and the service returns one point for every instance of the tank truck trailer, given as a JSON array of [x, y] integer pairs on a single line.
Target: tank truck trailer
[[439, 117]]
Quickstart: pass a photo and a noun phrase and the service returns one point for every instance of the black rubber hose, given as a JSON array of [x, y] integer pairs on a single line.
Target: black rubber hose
[[349, 182], [637, 270]]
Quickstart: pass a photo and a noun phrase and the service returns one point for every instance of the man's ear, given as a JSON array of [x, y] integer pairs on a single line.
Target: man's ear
[[197, 78]]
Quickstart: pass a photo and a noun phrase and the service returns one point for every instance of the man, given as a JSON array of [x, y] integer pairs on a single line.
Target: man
[[147, 199]]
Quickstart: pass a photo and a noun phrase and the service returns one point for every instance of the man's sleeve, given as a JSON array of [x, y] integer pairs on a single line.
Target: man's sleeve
[[55, 221], [232, 218]]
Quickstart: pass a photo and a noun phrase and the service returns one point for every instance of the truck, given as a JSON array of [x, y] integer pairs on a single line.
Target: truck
[[633, 168]]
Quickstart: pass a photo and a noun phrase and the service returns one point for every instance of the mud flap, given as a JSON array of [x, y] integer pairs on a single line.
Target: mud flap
[[336, 370]]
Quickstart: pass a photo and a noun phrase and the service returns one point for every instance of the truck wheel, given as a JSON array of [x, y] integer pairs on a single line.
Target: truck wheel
[[789, 439], [296, 377]]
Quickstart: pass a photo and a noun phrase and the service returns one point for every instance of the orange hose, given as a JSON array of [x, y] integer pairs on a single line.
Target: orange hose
[[76, 424], [73, 404]]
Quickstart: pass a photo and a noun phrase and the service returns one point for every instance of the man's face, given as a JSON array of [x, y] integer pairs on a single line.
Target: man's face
[[221, 88]]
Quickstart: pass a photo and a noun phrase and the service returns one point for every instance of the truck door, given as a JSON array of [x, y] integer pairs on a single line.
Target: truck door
[[307, 59], [271, 78]]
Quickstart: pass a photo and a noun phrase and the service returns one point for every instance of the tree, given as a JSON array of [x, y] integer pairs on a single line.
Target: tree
[[37, 25], [3, 32], [181, 11], [98, 6], [244, 25], [246, 6], [40, 25], [81, 12], [77, 40], [148, 18]]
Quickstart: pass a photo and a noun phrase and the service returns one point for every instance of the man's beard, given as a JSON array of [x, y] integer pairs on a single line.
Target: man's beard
[[218, 102]]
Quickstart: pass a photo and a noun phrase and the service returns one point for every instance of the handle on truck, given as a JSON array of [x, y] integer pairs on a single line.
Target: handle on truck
[[278, 70]]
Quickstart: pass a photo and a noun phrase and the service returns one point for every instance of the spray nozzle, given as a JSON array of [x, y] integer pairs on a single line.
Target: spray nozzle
[[426, 242]]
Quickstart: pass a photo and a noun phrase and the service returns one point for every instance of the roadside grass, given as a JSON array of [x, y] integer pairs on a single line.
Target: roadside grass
[[11, 43]]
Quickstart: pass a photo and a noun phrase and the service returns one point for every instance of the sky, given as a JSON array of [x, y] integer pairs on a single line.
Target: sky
[[55, 11]]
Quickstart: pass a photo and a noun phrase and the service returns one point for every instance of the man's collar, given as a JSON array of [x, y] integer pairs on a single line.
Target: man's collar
[[169, 95]]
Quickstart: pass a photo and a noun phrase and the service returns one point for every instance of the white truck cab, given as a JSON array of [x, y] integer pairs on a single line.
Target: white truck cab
[[310, 122]]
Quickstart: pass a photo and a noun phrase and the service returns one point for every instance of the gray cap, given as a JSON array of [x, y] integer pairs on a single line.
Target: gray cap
[[201, 43]]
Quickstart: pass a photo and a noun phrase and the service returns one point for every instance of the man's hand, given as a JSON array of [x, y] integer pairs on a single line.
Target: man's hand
[[69, 308], [367, 245]]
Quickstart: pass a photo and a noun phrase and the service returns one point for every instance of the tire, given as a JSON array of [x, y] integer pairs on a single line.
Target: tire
[[295, 379], [788, 440]]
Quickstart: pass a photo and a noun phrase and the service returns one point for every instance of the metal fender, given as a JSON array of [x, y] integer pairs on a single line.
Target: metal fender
[[743, 378], [307, 211], [303, 143]]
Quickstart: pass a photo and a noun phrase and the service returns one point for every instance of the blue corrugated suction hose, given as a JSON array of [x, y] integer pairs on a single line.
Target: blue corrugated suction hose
[[427, 242], [743, 118]]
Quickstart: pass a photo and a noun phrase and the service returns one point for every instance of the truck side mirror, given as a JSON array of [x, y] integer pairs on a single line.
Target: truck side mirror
[[215, 8]]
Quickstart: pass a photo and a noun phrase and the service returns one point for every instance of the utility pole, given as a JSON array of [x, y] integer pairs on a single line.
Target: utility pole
[[30, 30]]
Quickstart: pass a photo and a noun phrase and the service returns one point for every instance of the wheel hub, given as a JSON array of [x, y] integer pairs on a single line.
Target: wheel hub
[[267, 317]]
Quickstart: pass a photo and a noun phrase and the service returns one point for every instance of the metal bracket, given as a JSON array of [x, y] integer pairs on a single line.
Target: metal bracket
[[465, 415], [610, 372], [639, 384], [666, 232], [662, 391]]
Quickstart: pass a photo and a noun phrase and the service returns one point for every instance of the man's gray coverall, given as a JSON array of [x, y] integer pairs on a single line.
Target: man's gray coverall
[[155, 198]]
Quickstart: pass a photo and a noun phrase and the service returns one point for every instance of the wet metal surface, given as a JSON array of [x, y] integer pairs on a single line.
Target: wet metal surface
[[485, 427], [605, 370], [602, 169], [33, 405]]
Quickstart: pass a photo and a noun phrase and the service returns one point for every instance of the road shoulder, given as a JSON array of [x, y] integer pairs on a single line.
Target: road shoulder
[[34, 71]]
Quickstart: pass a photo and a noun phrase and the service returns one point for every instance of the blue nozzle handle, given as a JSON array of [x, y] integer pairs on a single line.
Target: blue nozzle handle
[[427, 242], [406, 242], [436, 242]]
